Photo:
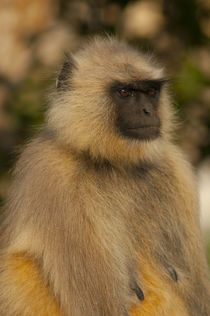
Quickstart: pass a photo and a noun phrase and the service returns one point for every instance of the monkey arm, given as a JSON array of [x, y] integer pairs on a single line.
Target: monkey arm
[[50, 225], [87, 285], [25, 291], [76, 279]]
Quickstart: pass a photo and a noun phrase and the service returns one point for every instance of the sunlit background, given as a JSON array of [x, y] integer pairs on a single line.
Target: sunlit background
[[35, 34]]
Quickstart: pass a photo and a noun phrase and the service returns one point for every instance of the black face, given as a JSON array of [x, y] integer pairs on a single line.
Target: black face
[[137, 104]]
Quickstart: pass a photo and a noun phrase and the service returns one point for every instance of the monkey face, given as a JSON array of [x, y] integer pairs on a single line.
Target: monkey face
[[137, 108]]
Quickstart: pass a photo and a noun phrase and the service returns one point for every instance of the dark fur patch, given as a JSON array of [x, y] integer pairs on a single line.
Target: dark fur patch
[[139, 292], [173, 273], [65, 74], [139, 85]]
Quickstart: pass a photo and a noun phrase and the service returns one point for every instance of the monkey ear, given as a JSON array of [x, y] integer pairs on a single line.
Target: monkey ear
[[63, 79]]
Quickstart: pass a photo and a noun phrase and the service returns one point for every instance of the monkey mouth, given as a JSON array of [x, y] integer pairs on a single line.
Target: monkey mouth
[[144, 127], [143, 132]]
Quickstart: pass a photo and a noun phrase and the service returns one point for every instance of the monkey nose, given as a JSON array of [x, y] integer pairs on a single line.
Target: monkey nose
[[146, 111]]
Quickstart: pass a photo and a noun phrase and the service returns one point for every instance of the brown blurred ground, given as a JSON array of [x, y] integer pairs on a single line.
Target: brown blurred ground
[[35, 34]]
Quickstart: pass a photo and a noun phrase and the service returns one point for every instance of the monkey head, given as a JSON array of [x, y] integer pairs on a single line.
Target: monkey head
[[111, 102]]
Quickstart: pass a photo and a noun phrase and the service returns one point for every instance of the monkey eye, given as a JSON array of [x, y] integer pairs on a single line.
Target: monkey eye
[[152, 92], [125, 93]]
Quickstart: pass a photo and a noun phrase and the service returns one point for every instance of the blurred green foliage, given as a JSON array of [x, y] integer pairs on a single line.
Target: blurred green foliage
[[185, 93]]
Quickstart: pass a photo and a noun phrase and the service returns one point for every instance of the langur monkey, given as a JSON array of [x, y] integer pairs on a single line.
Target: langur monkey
[[102, 218]]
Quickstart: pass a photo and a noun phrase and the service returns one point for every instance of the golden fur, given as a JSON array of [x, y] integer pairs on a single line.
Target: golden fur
[[91, 213], [27, 292], [161, 299]]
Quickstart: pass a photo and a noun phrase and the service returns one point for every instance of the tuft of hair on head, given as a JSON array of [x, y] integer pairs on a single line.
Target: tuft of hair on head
[[82, 114]]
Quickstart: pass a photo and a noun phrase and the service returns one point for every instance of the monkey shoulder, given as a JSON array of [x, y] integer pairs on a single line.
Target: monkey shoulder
[[45, 156], [42, 180]]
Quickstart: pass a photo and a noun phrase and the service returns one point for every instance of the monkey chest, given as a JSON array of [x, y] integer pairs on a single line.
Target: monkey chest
[[144, 215], [148, 208], [161, 234]]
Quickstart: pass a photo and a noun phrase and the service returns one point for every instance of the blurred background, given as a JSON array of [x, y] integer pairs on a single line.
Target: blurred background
[[35, 35]]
